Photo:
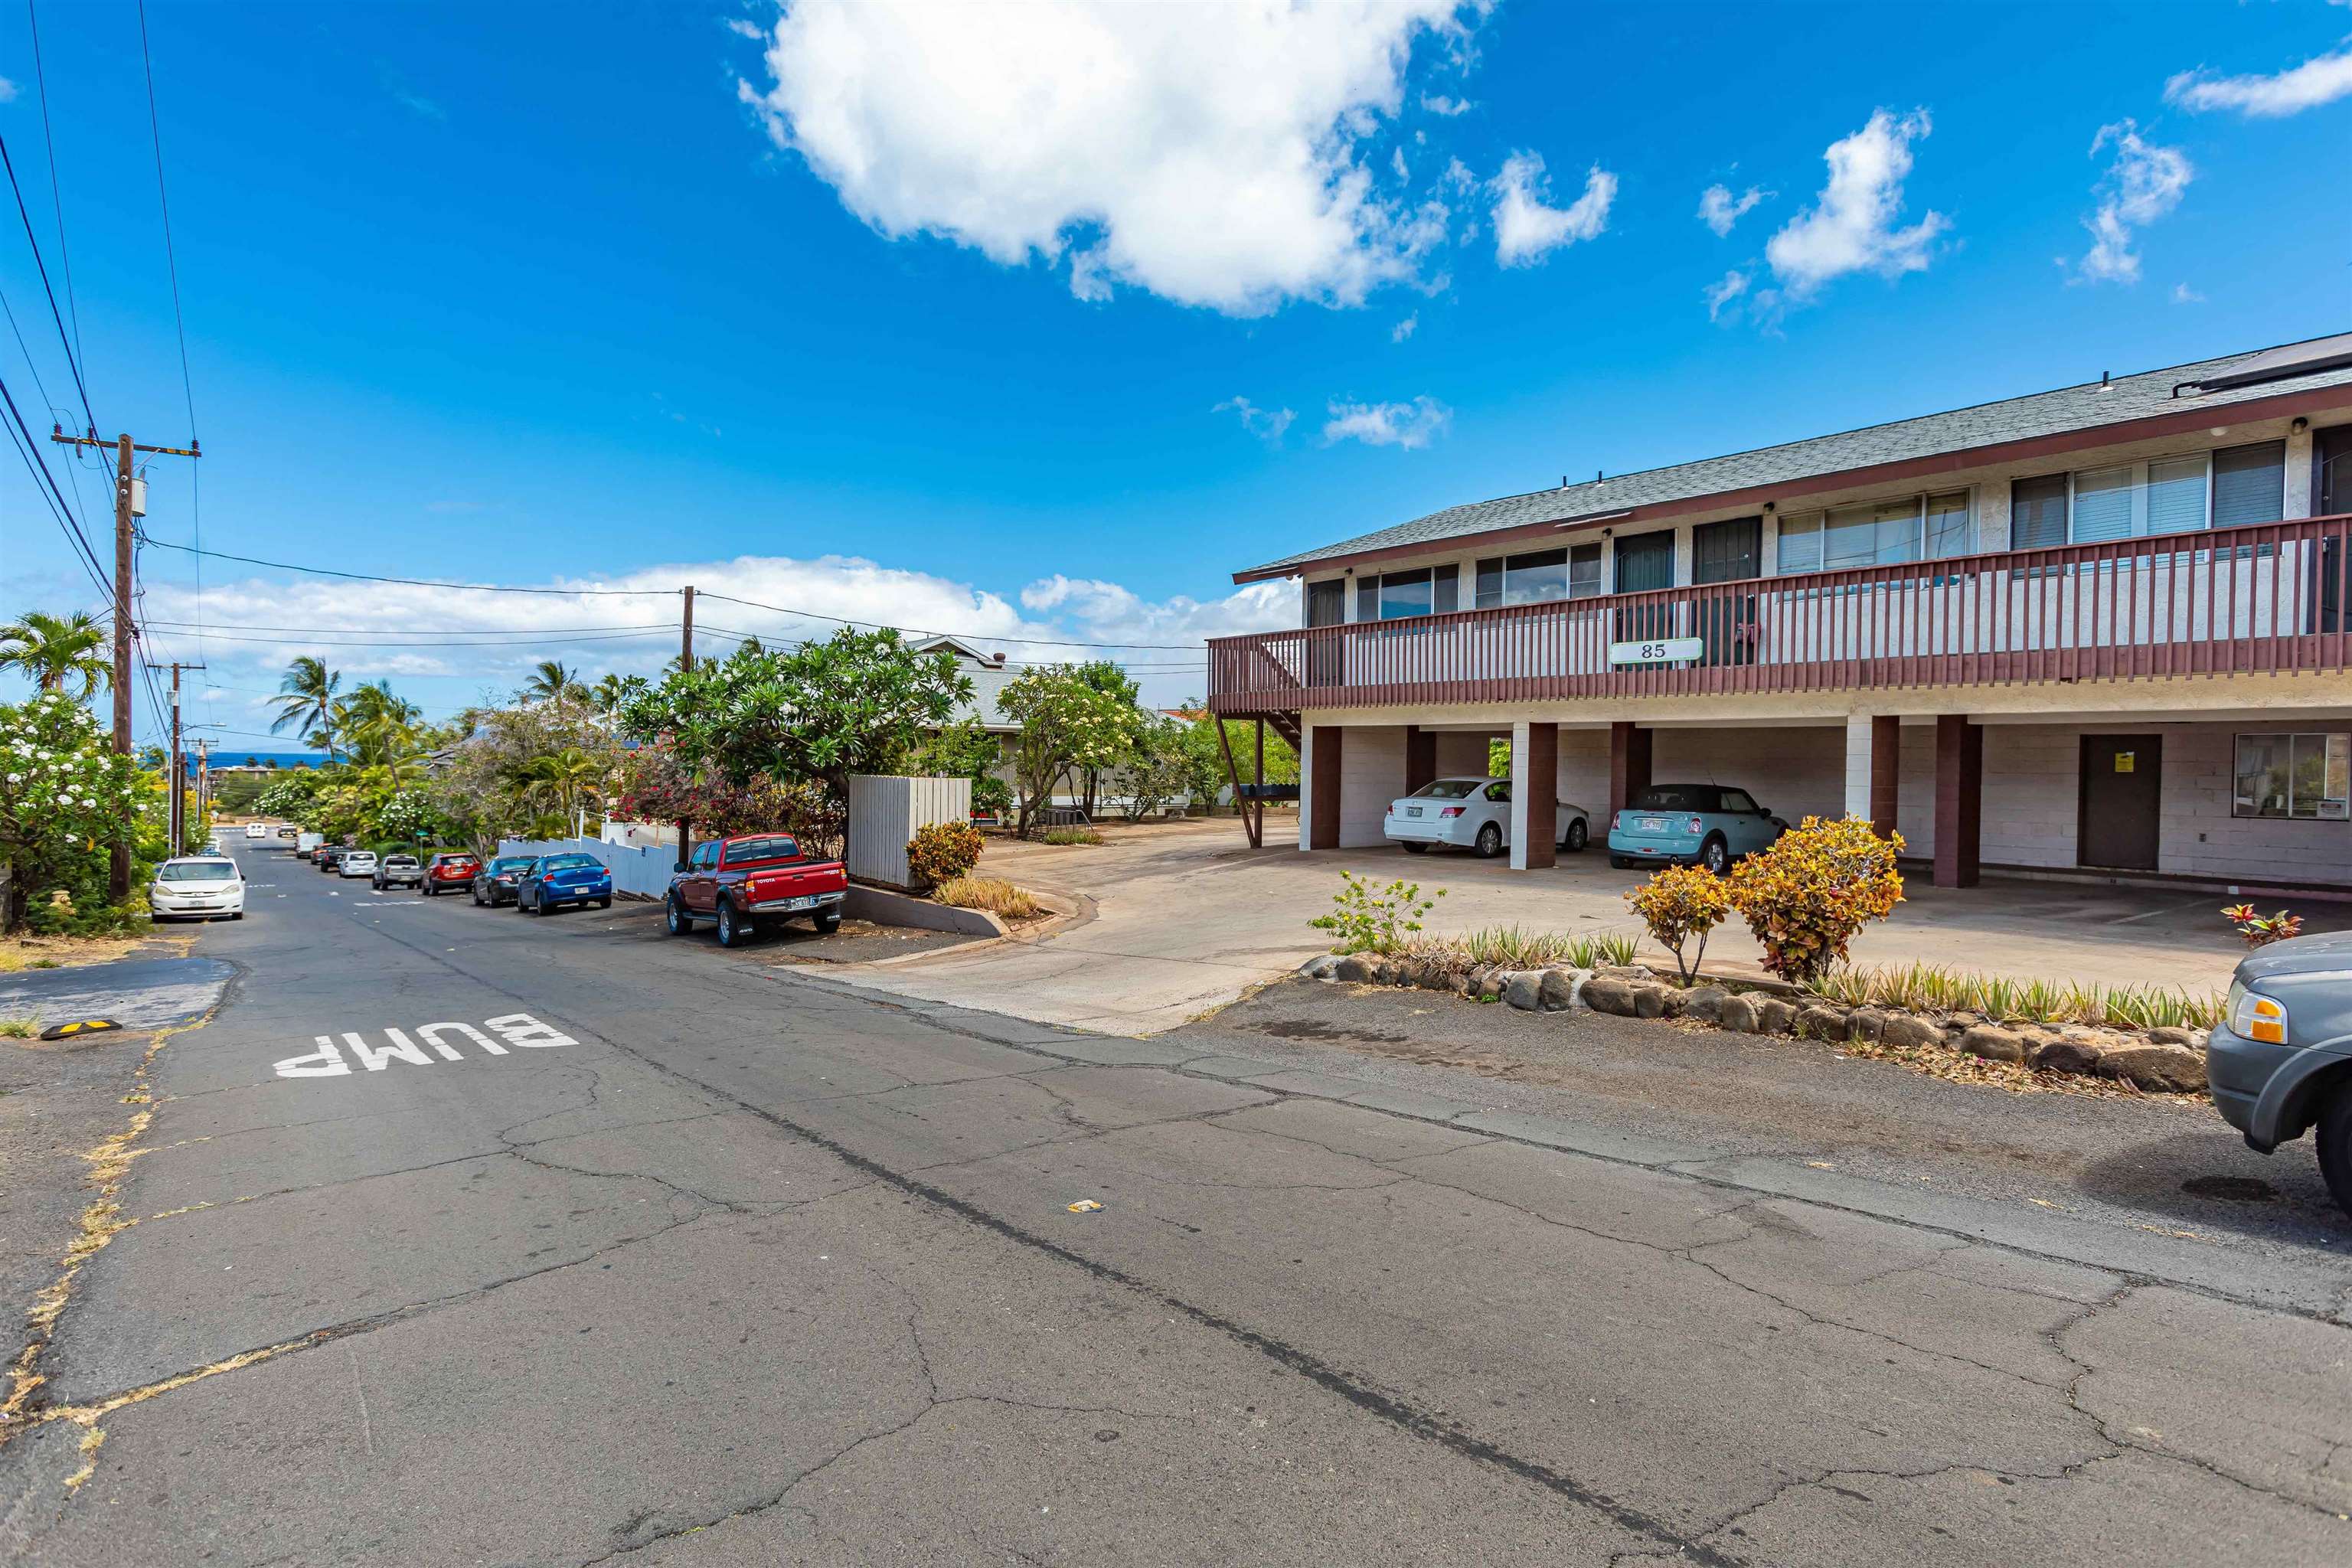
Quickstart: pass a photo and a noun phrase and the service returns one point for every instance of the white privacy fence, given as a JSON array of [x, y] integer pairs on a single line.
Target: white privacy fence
[[885, 811]]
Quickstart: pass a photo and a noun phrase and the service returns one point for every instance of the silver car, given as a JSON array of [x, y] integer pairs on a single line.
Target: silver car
[[197, 887], [1473, 814], [356, 863]]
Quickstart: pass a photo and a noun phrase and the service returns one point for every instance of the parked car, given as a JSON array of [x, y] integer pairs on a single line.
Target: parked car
[[1473, 814], [306, 845], [747, 882], [1691, 825], [356, 863], [554, 880], [447, 873], [329, 856], [494, 880], [399, 871], [2280, 1062], [256, 830], [287, 830], [197, 887]]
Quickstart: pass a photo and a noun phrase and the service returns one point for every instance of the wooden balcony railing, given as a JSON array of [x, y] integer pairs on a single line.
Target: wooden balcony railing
[[2269, 597]]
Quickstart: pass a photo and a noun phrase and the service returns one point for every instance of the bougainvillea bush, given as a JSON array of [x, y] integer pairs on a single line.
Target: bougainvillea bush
[[1818, 885], [66, 799], [942, 851]]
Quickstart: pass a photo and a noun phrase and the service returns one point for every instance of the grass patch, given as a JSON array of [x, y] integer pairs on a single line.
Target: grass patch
[[21, 952], [1072, 836], [1937, 988], [19, 1028], [993, 894]]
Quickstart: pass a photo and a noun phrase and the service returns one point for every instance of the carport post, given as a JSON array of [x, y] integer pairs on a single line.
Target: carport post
[[1959, 793], [1535, 796], [1420, 757], [1629, 765], [1318, 795], [1874, 769]]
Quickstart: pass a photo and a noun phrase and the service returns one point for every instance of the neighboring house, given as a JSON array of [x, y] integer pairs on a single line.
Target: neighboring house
[[2102, 628]]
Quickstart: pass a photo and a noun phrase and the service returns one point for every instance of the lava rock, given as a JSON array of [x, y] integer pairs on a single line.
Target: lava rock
[[1774, 1017], [2059, 1054], [1737, 1014], [1631, 973], [1320, 966], [1822, 1023], [2171, 1034], [1649, 1000], [1705, 1003], [1606, 994], [1990, 1042], [1866, 1024], [1560, 988], [2173, 1070], [1525, 990], [1906, 1029], [1355, 969]]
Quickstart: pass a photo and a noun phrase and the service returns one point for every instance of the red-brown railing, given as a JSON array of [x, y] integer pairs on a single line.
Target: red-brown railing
[[2271, 597]]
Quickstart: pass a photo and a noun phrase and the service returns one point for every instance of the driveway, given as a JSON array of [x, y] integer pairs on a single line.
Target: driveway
[[1185, 917]]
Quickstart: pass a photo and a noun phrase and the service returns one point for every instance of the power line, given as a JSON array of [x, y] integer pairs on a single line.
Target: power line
[[410, 582], [453, 631], [35, 462], [528, 641], [72, 364], [960, 637], [702, 626], [56, 193]]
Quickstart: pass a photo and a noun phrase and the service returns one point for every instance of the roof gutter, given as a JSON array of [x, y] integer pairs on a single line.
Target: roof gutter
[[2277, 406]]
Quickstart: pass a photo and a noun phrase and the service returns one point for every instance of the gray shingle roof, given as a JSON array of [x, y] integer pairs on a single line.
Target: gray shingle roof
[[2143, 395]]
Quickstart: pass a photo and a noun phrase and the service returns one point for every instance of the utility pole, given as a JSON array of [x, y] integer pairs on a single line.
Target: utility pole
[[686, 667], [179, 816], [129, 504], [204, 778]]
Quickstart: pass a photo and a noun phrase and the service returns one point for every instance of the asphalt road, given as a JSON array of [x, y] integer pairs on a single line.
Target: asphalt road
[[669, 1255]]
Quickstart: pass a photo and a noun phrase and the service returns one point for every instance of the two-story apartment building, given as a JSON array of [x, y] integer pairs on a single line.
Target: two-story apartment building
[[2101, 629]]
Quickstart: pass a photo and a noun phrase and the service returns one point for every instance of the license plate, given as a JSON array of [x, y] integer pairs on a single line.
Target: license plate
[[1653, 825], [1413, 811], [806, 902]]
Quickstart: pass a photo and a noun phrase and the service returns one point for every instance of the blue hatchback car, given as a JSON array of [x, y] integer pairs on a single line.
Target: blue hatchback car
[[554, 880], [1690, 824]]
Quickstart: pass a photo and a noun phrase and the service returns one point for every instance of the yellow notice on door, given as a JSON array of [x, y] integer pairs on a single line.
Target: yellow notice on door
[[2127, 761]]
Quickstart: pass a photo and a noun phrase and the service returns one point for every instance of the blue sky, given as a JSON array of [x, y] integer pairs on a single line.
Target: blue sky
[[719, 294]]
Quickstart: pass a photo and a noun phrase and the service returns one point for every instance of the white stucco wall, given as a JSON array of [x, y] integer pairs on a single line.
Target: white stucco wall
[[1371, 775]]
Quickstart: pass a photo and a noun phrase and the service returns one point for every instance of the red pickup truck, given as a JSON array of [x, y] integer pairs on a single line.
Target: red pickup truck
[[753, 879]]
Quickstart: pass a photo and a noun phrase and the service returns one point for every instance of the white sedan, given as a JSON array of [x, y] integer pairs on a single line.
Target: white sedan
[[357, 863], [1471, 814], [197, 887]]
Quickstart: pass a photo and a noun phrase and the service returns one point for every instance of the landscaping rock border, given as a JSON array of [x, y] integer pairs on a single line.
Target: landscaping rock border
[[2167, 1060]]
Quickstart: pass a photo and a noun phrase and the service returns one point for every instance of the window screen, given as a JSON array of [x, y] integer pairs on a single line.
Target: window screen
[[2103, 504], [1583, 571], [1801, 544], [2175, 495], [2250, 484], [2037, 513], [1948, 524]]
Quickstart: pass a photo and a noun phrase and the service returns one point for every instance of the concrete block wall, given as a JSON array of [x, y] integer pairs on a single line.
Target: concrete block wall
[[1459, 754], [2032, 784], [1793, 773]]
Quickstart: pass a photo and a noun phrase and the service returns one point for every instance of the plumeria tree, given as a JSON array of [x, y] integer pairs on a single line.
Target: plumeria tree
[[1069, 726], [66, 798]]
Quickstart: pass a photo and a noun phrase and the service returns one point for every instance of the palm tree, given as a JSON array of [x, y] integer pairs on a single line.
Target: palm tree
[[552, 682], [561, 783], [54, 649], [609, 695], [380, 726], [307, 702]]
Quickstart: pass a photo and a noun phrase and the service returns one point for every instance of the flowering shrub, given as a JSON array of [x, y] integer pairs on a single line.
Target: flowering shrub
[[66, 799], [1679, 903], [2260, 930], [1807, 895], [942, 851], [1375, 919]]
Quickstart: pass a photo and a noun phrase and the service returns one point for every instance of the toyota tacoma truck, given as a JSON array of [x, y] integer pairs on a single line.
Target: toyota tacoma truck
[[753, 880]]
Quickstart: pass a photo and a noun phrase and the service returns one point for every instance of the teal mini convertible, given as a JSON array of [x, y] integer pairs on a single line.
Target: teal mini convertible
[[1690, 824]]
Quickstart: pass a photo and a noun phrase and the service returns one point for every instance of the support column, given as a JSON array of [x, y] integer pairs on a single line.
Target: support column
[[1535, 796], [1960, 795], [1629, 764], [1318, 795], [1420, 757], [1874, 769]]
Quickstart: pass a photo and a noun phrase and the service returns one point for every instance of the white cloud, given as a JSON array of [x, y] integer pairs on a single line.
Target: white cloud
[[527, 629], [2321, 80], [1852, 227], [1439, 104], [1406, 425], [2143, 183], [1526, 227], [1404, 329], [2182, 294], [1266, 424], [1211, 155], [1723, 291], [7, 90], [1719, 209]]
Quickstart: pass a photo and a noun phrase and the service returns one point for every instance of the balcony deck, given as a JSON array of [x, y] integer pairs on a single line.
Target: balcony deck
[[2271, 597]]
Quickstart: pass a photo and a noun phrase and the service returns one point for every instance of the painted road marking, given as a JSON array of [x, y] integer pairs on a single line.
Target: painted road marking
[[515, 1029]]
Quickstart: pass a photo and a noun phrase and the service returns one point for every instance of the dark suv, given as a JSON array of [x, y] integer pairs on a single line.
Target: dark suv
[[2280, 1063]]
